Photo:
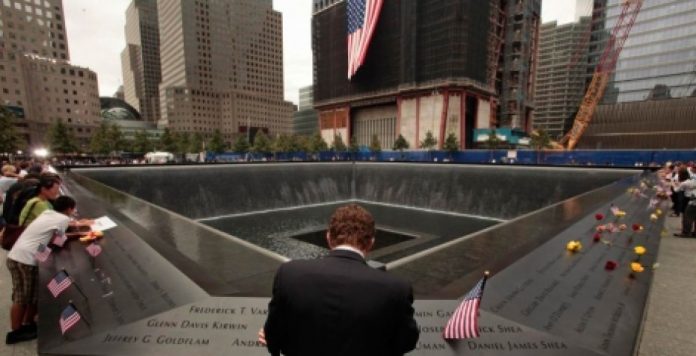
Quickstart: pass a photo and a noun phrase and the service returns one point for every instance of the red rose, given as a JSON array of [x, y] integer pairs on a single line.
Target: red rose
[[610, 265], [599, 216], [636, 227], [597, 236]]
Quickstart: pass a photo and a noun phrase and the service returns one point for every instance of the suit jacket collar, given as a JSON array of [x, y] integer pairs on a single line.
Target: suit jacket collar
[[347, 254]]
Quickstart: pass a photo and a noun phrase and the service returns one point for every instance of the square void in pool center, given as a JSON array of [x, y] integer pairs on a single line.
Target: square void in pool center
[[383, 238], [300, 233]]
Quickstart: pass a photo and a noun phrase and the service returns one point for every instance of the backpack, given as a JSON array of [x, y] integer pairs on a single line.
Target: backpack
[[17, 199]]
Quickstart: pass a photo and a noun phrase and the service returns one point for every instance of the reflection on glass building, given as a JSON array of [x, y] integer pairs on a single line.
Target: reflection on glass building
[[659, 58]]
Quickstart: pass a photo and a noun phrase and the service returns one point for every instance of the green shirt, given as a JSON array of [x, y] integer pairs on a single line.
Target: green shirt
[[32, 210]]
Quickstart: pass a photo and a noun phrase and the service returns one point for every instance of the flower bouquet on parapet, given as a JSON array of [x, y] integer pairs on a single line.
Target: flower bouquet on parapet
[[636, 266], [91, 236]]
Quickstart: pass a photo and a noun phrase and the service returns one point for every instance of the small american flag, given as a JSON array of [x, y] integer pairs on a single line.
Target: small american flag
[[68, 318], [94, 250], [361, 18], [59, 283], [42, 252], [464, 322], [59, 238]]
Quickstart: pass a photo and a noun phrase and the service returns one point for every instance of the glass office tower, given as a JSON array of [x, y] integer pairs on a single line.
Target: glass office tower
[[658, 60]]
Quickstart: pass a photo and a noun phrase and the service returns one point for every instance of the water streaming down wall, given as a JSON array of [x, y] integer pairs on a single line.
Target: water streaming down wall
[[500, 192]]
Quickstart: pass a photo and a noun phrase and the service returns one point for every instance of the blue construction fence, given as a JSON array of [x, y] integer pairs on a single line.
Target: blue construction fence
[[617, 158]]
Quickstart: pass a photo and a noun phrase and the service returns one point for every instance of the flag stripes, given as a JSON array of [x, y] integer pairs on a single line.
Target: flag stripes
[[464, 322], [362, 17], [68, 318], [59, 283]]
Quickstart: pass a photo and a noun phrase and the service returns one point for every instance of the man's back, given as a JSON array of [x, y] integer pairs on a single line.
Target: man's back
[[339, 306]]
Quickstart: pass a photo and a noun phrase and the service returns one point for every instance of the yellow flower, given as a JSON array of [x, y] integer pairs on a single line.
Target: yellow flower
[[639, 250], [653, 217], [658, 212], [620, 213], [574, 246], [636, 267]]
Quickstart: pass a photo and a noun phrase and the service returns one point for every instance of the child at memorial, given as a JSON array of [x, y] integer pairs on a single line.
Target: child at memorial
[[22, 264], [49, 189]]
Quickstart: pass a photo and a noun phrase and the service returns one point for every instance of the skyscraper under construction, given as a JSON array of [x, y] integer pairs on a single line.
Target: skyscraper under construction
[[445, 66]]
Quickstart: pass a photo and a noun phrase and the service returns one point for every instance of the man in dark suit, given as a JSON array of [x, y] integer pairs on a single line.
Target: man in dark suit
[[338, 305]]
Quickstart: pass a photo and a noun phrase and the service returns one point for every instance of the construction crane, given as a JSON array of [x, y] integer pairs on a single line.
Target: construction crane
[[600, 78]]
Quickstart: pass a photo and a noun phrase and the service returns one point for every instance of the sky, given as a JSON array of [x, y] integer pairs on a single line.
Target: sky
[[96, 38]]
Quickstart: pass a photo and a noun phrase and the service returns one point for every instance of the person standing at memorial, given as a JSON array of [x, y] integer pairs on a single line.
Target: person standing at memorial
[[22, 264], [8, 178], [338, 305], [49, 189]]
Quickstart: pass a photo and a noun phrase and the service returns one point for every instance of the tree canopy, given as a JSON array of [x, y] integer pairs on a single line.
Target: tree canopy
[[60, 140], [401, 144], [429, 142], [241, 145], [451, 143], [10, 139], [338, 145], [540, 139], [217, 143], [262, 144], [375, 145]]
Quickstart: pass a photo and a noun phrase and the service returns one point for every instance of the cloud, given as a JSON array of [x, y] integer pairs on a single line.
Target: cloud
[[96, 38]]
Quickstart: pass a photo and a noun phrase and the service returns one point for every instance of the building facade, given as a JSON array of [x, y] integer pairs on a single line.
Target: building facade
[[519, 63], [35, 74], [140, 60], [306, 120], [658, 60], [222, 67], [438, 66], [318, 5], [652, 124], [560, 77]]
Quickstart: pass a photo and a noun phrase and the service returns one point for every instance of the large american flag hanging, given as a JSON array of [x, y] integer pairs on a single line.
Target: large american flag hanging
[[464, 322], [362, 17]]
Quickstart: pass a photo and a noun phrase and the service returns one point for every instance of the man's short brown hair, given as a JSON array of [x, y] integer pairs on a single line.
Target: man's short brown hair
[[352, 225]]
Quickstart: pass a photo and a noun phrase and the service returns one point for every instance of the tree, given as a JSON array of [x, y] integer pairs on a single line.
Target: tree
[[493, 142], [10, 140], [60, 140], [297, 143], [317, 143], [429, 142], [338, 144], [400, 144], [183, 143], [115, 139], [141, 144], [196, 143], [100, 140], [241, 145], [217, 143], [540, 139], [282, 143], [375, 146], [167, 141], [354, 148], [262, 144], [451, 144]]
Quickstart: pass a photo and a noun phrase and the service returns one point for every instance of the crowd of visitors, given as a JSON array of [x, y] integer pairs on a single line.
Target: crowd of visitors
[[681, 178], [33, 212]]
